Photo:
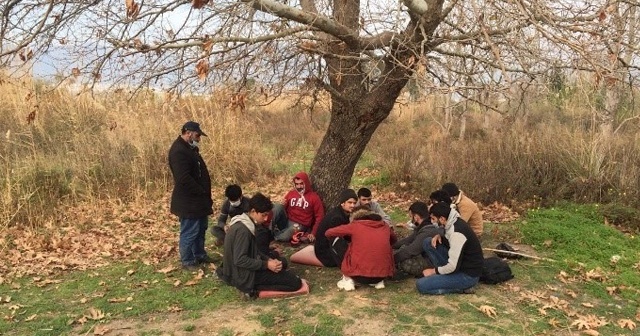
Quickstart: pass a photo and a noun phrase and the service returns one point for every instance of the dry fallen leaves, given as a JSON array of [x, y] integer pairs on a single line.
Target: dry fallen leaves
[[591, 332], [626, 323], [95, 314], [100, 330], [612, 290], [489, 311]]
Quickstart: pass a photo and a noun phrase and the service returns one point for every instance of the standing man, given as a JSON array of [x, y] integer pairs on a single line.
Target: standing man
[[365, 198], [191, 198], [302, 206]]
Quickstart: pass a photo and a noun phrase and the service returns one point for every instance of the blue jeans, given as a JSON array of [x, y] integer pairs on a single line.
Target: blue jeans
[[192, 231], [281, 226], [455, 282]]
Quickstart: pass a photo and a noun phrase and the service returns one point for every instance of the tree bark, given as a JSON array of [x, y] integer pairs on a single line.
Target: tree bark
[[354, 119]]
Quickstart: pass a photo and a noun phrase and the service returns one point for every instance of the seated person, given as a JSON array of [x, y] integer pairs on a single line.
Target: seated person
[[243, 266], [331, 252], [457, 256], [265, 240], [234, 205], [468, 209], [408, 252], [369, 257], [302, 206], [365, 198], [439, 196]]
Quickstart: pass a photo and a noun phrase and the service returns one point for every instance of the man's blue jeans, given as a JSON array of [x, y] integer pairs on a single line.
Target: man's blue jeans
[[281, 226], [455, 282], [192, 231]]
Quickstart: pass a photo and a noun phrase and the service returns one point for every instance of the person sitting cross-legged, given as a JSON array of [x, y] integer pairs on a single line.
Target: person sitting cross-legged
[[243, 266], [330, 252], [408, 253], [457, 256], [366, 198], [235, 204]]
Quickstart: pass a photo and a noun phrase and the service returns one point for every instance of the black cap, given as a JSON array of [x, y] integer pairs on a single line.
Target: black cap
[[192, 126]]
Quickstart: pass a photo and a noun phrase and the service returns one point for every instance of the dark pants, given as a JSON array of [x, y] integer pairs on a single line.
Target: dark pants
[[218, 232], [283, 281], [366, 280], [339, 249]]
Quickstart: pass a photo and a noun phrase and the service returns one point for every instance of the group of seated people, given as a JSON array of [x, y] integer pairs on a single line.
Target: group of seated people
[[443, 250]]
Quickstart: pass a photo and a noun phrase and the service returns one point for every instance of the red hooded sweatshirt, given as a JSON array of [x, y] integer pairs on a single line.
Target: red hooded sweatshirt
[[304, 208]]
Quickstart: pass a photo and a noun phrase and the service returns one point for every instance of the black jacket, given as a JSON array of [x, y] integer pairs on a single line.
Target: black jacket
[[191, 197], [322, 246]]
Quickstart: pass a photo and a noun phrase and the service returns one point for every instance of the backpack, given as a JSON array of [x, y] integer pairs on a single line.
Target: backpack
[[504, 247], [495, 271]]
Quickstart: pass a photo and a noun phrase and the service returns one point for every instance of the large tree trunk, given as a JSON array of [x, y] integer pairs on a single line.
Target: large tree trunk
[[353, 122]]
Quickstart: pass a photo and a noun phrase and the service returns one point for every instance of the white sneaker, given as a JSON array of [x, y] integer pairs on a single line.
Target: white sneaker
[[379, 285], [346, 284]]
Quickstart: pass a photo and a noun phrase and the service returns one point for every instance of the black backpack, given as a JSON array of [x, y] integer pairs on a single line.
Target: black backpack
[[495, 271]]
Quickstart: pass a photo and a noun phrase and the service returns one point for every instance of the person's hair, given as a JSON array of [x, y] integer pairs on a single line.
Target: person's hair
[[260, 203], [420, 208], [440, 196], [440, 210], [451, 189], [364, 192], [233, 192]]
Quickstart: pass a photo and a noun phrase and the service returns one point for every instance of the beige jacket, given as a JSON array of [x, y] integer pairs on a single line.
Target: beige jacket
[[470, 213]]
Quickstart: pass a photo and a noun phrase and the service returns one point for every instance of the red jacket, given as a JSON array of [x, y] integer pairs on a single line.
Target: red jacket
[[306, 208], [369, 253]]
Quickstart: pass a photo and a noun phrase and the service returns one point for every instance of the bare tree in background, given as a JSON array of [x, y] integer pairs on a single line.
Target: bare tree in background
[[361, 52]]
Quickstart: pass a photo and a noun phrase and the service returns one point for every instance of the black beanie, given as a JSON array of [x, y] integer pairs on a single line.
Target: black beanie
[[346, 194]]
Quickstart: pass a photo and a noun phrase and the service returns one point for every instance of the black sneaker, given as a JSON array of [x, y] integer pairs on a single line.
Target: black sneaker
[[191, 268], [206, 260], [470, 290], [250, 296]]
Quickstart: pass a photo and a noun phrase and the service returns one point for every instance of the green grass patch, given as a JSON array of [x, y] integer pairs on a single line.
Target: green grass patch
[[575, 236]]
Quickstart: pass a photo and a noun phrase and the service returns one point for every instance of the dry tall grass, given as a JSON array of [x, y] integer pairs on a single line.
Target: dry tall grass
[[80, 147]]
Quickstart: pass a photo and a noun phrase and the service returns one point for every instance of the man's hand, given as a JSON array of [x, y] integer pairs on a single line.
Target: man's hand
[[436, 240], [428, 272], [311, 237], [274, 265]]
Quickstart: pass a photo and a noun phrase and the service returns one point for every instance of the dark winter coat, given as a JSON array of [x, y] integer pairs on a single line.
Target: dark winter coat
[[191, 197], [241, 257], [322, 246]]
